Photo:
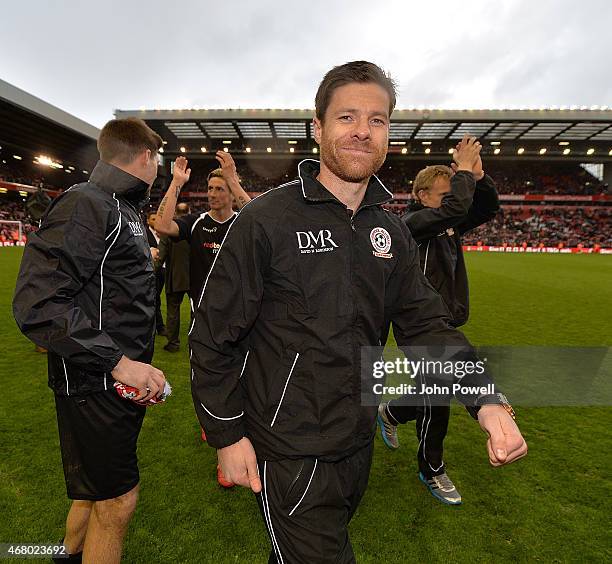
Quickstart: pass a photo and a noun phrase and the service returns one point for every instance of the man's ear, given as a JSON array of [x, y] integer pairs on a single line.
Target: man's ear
[[317, 130], [143, 158]]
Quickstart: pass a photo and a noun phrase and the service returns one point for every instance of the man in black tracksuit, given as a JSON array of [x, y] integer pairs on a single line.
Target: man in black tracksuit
[[86, 292], [446, 206], [305, 278]]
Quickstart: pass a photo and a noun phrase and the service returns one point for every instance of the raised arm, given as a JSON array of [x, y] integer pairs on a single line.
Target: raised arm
[[164, 222], [231, 177], [428, 222]]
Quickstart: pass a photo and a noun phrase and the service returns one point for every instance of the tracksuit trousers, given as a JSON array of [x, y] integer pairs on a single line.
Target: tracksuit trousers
[[307, 505], [431, 428]]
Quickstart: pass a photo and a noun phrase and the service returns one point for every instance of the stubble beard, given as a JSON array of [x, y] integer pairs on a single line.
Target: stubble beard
[[354, 169]]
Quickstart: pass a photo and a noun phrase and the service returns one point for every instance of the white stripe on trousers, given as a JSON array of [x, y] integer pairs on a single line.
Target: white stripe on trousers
[[268, 517]]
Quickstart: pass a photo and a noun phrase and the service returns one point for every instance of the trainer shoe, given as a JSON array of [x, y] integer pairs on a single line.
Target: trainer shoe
[[442, 488], [221, 479], [388, 431]]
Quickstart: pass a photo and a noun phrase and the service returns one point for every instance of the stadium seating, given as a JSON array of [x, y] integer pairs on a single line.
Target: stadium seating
[[568, 225]]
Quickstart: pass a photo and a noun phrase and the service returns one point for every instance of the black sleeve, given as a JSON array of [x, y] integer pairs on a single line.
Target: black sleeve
[[485, 205], [185, 225], [228, 307], [429, 222], [163, 248], [151, 238], [420, 317], [58, 261]]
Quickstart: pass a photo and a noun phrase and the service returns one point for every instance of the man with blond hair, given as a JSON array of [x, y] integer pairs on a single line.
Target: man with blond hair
[[447, 203]]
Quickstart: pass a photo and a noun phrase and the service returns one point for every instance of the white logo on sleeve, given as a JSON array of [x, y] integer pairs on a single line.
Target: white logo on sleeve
[[136, 228], [381, 241], [322, 242]]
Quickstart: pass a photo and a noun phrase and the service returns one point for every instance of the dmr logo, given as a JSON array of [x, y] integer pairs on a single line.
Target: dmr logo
[[136, 228], [309, 243]]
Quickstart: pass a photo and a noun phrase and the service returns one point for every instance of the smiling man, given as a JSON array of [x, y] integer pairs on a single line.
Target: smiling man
[[306, 277]]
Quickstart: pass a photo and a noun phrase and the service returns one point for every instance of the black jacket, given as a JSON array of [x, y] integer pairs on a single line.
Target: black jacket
[[297, 288], [438, 233], [175, 254], [86, 290]]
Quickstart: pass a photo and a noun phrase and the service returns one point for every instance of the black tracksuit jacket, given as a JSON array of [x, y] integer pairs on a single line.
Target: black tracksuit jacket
[[298, 287], [86, 289], [438, 233]]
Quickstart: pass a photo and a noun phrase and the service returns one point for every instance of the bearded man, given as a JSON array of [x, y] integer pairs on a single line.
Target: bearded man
[[307, 275]]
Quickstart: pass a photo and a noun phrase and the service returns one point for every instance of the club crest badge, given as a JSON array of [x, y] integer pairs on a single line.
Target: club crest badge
[[381, 241]]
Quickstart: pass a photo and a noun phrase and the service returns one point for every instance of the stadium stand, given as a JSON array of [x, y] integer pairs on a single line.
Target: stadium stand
[[548, 199]]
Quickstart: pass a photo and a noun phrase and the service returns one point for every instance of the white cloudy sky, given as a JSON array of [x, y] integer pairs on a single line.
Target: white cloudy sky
[[89, 57]]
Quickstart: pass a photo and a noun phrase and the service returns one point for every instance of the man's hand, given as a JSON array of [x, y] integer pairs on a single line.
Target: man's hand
[[239, 464], [180, 172], [466, 154], [147, 379], [154, 253], [228, 166], [477, 170], [505, 443]]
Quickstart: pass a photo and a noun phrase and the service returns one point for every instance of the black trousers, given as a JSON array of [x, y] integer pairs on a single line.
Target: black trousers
[[173, 316], [307, 505], [431, 429]]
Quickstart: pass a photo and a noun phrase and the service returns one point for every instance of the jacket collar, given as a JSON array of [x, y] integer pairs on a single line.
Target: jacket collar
[[113, 180], [415, 206], [314, 191]]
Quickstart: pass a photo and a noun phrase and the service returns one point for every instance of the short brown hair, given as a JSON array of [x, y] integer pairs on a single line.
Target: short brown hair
[[122, 139], [425, 178], [218, 173], [355, 71]]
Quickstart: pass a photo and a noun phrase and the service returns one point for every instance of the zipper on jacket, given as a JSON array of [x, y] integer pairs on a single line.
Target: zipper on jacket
[[351, 215], [354, 348]]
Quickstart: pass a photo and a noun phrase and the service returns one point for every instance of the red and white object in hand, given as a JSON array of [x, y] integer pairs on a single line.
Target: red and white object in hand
[[129, 392]]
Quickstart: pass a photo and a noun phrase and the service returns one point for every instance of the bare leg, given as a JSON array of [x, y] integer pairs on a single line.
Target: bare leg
[[107, 527], [76, 525]]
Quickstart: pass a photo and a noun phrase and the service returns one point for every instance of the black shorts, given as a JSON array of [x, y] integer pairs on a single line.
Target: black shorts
[[98, 435]]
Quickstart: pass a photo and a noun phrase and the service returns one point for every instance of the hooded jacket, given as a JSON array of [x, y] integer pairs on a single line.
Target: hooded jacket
[[298, 287], [438, 232], [86, 289]]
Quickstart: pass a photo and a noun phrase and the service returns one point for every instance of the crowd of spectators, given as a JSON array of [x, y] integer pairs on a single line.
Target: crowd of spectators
[[397, 174], [13, 210], [12, 170], [551, 227], [568, 226]]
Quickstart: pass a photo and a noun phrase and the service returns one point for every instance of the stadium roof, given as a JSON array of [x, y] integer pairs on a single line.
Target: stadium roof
[[34, 127], [412, 131]]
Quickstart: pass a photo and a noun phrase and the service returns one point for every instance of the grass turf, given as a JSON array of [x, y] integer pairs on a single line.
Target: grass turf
[[553, 506]]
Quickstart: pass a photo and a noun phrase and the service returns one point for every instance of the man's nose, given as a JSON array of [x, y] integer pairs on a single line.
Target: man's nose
[[362, 129]]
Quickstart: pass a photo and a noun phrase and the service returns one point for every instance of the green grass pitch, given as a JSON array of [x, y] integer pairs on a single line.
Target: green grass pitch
[[553, 506]]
